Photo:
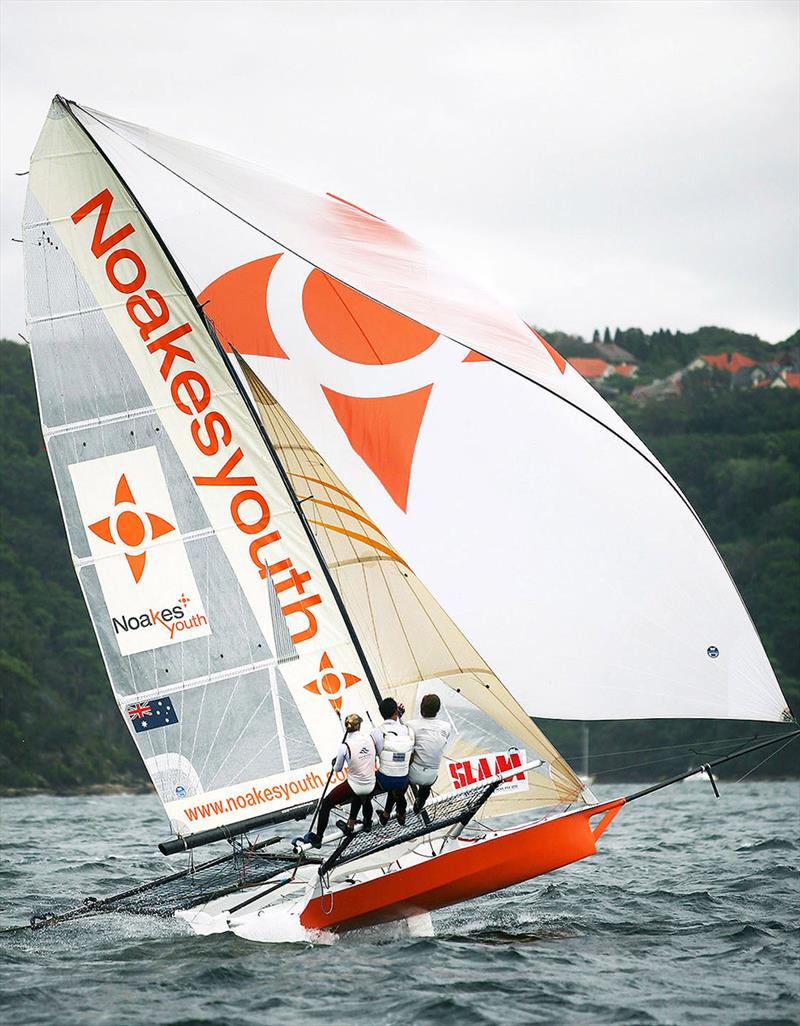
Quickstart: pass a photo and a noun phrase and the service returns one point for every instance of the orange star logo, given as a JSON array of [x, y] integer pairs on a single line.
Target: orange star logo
[[330, 683], [130, 529]]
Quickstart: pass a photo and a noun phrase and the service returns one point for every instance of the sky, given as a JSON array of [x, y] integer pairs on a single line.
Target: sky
[[598, 163]]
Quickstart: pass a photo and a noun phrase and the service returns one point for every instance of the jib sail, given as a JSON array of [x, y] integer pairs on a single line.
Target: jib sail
[[229, 656], [412, 645]]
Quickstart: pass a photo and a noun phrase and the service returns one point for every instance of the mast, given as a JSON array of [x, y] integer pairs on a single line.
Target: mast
[[236, 380]]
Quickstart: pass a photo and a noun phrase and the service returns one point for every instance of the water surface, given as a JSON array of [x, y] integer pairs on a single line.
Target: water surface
[[688, 914]]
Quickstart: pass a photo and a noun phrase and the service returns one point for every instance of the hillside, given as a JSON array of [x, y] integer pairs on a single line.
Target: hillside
[[736, 455], [663, 364]]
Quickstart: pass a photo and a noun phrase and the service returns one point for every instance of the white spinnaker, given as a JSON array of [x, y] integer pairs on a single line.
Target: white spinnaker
[[535, 516], [224, 644]]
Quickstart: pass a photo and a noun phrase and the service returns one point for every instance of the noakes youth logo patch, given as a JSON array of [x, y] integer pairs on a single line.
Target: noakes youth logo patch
[[138, 553]]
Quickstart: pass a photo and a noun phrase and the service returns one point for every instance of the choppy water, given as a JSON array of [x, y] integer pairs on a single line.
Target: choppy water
[[688, 915]]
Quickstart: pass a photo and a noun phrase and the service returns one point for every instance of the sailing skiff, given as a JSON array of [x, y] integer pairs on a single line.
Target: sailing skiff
[[301, 467]]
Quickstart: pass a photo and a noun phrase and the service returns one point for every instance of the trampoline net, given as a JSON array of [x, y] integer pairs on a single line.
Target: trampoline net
[[186, 888], [456, 807], [250, 865]]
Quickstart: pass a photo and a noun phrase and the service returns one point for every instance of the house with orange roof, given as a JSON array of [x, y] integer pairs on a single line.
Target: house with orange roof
[[627, 370], [731, 362], [591, 368]]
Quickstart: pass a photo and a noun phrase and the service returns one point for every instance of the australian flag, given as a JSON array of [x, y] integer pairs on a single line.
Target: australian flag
[[159, 712]]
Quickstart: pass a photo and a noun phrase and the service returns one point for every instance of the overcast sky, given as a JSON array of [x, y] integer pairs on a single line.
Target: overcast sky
[[594, 163]]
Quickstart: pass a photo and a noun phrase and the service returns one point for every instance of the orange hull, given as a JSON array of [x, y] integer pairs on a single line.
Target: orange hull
[[476, 867]]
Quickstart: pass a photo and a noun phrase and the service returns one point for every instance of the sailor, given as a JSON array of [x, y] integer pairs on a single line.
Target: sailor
[[431, 736], [358, 752], [394, 744]]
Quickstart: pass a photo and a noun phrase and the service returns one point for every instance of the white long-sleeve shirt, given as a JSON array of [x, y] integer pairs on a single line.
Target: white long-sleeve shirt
[[431, 736]]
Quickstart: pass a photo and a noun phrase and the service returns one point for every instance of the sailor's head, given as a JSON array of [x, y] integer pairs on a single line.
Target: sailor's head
[[430, 706], [388, 709], [352, 723]]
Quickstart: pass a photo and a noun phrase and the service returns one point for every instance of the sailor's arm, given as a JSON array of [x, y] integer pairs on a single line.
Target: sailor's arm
[[341, 758]]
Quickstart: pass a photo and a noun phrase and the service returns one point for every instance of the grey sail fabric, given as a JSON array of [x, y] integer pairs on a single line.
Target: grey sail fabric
[[226, 696]]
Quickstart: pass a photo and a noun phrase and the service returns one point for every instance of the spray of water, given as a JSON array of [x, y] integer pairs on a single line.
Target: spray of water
[[279, 924]]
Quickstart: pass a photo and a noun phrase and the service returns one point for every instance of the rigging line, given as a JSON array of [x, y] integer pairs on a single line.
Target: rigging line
[[683, 744], [637, 765], [239, 387], [765, 759], [598, 774], [791, 736], [500, 363]]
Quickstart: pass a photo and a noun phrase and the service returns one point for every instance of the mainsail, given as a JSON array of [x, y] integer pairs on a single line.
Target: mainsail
[[534, 515], [229, 654]]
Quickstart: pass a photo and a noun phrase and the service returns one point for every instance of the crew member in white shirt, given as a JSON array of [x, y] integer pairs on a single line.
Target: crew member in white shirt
[[358, 752], [431, 736], [394, 743]]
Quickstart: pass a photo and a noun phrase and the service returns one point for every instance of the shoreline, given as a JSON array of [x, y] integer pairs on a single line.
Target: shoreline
[[86, 790], [110, 790]]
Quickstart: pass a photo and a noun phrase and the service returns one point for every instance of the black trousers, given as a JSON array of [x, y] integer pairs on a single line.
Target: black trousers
[[423, 794], [341, 794]]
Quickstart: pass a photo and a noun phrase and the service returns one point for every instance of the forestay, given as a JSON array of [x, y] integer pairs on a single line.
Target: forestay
[[211, 607], [535, 517]]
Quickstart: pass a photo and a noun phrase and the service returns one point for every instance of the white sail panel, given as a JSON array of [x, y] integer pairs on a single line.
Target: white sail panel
[[409, 640], [229, 657], [548, 531]]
